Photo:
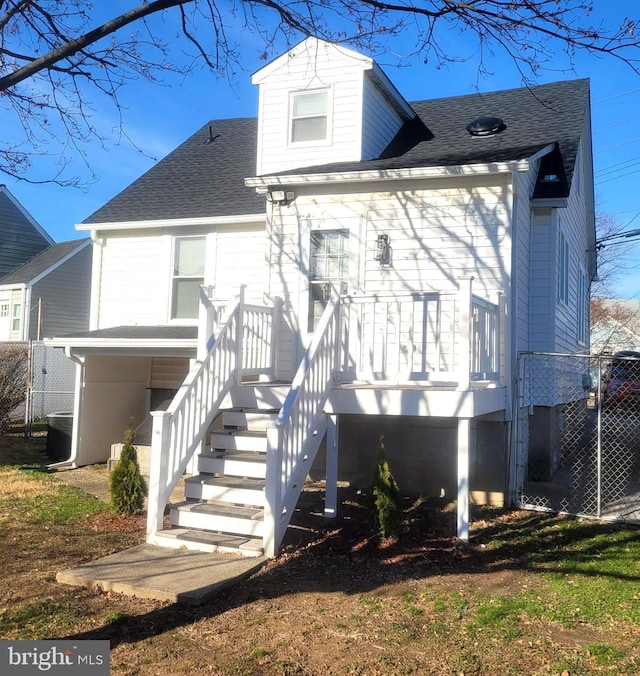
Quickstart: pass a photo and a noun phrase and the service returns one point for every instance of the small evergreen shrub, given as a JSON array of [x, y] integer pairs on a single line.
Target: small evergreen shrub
[[386, 499], [127, 486]]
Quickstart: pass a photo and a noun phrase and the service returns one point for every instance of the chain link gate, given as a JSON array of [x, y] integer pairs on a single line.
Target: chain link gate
[[578, 435], [51, 382]]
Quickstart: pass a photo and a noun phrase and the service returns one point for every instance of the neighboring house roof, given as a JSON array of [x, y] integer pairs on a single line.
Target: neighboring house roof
[[206, 179], [203, 177], [617, 326], [535, 117], [42, 262]]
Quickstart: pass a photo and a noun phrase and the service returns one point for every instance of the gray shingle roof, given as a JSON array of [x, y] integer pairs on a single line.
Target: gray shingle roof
[[141, 333], [201, 179], [196, 180], [534, 118], [41, 262]]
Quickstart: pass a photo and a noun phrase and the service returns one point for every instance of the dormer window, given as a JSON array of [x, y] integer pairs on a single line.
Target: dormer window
[[309, 116]]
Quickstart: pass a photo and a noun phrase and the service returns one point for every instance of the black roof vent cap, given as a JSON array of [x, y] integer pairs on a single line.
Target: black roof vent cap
[[486, 126]]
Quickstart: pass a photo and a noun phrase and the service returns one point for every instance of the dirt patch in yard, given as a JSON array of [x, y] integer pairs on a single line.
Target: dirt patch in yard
[[336, 601]]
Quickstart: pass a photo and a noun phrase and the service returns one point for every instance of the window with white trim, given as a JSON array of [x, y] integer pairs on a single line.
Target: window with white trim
[[187, 276], [16, 317], [583, 299], [328, 266], [4, 310], [309, 116], [563, 269]]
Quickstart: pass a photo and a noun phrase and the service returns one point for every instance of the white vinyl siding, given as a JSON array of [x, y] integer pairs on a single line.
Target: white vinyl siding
[[136, 272], [380, 122]]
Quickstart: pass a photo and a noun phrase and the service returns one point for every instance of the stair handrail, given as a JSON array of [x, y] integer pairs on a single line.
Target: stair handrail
[[294, 438], [179, 431]]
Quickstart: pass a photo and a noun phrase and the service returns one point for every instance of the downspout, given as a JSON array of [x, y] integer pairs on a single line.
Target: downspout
[[72, 462]]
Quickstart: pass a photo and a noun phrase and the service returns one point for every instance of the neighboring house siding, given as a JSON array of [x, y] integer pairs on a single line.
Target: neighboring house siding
[[135, 277], [20, 240], [65, 295], [342, 77], [380, 122]]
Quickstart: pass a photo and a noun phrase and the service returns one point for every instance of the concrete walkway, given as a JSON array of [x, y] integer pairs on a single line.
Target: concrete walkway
[[147, 571], [151, 572]]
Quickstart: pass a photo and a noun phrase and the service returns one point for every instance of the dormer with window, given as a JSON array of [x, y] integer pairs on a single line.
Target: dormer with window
[[321, 103]]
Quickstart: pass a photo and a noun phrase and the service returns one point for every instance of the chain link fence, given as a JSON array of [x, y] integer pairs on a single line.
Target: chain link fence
[[578, 435]]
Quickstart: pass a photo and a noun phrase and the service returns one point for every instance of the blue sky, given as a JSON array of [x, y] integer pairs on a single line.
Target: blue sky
[[157, 118]]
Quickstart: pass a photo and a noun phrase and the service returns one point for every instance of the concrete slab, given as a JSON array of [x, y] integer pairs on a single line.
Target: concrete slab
[[164, 574]]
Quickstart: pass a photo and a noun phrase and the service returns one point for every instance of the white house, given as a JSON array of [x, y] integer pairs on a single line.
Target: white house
[[49, 294], [346, 266]]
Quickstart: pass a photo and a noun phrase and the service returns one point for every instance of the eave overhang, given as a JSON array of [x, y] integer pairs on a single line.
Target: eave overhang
[[174, 222]]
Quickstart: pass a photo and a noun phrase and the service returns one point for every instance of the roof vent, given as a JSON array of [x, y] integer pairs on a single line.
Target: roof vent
[[486, 126]]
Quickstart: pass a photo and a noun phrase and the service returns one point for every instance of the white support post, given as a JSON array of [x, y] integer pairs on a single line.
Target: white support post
[[464, 333], [157, 472], [272, 491], [463, 478], [331, 481]]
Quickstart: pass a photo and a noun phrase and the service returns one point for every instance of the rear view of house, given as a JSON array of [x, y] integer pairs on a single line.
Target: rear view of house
[[345, 266]]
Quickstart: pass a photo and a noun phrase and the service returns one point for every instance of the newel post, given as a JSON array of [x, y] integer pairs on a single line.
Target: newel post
[[463, 339], [273, 491], [240, 335], [206, 320], [158, 471]]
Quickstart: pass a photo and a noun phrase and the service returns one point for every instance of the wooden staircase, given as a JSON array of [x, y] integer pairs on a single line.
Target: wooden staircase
[[223, 509]]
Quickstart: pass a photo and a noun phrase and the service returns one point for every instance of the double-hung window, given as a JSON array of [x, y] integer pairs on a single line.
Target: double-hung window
[[328, 267], [309, 116], [563, 270], [187, 276], [16, 317]]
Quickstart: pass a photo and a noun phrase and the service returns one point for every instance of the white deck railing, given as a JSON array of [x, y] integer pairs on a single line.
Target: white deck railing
[[242, 345], [447, 337], [292, 443]]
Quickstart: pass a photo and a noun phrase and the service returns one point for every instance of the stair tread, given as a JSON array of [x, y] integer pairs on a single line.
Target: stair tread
[[221, 510], [238, 433], [234, 454], [211, 538], [251, 409], [228, 481]]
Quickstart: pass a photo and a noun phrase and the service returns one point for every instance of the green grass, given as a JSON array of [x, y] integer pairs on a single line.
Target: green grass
[[39, 620]]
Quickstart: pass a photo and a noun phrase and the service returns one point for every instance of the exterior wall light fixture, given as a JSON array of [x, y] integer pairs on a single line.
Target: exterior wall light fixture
[[280, 197], [383, 251]]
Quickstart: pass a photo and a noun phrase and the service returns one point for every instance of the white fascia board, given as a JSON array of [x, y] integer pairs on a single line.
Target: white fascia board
[[395, 97], [174, 222], [62, 261], [265, 182], [75, 344], [13, 287]]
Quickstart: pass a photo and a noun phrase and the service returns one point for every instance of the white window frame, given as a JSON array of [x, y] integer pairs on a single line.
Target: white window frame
[[564, 264], [175, 277], [292, 118], [583, 300], [16, 318], [344, 283], [4, 309]]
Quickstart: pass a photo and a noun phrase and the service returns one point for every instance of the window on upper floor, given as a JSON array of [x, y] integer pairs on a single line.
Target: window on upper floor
[[187, 276], [328, 266], [563, 269], [4, 309], [309, 116]]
